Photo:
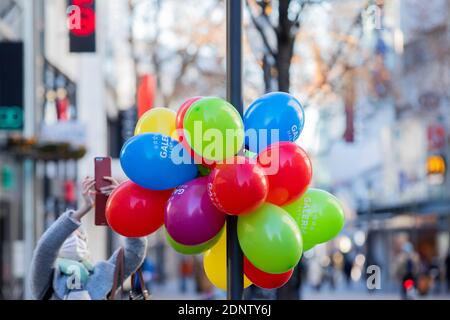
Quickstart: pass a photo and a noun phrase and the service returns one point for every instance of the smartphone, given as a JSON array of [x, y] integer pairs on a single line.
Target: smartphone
[[100, 209], [102, 169]]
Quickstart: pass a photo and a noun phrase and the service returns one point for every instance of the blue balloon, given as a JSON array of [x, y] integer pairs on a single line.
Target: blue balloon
[[276, 110], [156, 161]]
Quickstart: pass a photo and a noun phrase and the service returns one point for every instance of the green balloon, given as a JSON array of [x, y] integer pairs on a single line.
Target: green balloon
[[193, 249], [214, 129], [307, 246], [319, 216], [270, 239]]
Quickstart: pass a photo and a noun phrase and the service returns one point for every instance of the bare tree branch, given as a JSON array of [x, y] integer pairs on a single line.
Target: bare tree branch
[[339, 52], [260, 29], [187, 60]]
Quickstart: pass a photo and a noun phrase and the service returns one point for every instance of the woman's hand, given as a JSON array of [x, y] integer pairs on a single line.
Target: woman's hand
[[109, 189], [88, 193]]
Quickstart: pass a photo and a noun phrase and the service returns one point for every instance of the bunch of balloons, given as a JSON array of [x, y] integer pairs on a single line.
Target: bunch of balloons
[[189, 170]]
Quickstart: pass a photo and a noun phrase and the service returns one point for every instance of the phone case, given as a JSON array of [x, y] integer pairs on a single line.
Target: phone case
[[100, 209], [102, 169]]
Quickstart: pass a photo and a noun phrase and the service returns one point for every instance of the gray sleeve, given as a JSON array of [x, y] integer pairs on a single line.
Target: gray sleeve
[[134, 255], [46, 252]]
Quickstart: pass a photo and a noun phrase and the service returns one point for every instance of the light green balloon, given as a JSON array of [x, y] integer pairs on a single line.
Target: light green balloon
[[307, 246], [193, 249], [319, 216], [214, 129], [270, 239]]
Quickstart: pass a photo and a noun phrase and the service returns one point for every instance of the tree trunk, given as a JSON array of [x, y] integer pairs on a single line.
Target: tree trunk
[[285, 46], [267, 73], [284, 56]]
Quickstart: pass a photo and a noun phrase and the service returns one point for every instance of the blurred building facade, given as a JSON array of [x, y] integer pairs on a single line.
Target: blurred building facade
[[383, 149], [43, 160], [77, 105], [392, 173], [17, 187]]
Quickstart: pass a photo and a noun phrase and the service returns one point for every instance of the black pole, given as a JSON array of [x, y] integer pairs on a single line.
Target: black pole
[[235, 272]]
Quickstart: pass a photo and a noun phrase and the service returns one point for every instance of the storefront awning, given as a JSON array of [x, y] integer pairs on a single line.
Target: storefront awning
[[441, 206]]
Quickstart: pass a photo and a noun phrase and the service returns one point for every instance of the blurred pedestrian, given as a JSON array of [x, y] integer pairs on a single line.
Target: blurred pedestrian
[[61, 268], [330, 273], [303, 274], [347, 268], [407, 269], [203, 286], [186, 270], [315, 274], [447, 270]]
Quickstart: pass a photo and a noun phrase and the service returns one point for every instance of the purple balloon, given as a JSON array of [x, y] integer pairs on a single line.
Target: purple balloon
[[190, 216]]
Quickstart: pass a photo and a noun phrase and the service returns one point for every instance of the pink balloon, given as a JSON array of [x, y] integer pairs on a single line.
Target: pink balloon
[[190, 216]]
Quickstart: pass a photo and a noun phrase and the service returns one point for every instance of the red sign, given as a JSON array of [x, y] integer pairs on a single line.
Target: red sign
[[86, 18], [146, 93], [82, 23]]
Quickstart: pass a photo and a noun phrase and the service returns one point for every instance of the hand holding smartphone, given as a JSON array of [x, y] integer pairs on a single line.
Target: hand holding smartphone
[[102, 170]]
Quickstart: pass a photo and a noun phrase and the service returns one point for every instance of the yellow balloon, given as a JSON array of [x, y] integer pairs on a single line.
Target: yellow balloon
[[215, 264], [160, 120]]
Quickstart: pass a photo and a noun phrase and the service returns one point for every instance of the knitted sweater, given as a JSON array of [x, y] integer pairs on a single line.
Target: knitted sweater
[[44, 271]]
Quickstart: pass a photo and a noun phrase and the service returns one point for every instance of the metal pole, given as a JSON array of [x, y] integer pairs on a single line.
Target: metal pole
[[28, 167], [235, 277]]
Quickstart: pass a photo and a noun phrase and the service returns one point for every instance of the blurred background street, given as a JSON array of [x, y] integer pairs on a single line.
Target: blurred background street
[[372, 75]]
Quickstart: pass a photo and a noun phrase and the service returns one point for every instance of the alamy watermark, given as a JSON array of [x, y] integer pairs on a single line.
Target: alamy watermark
[[80, 17], [374, 16], [73, 13], [373, 281], [213, 143]]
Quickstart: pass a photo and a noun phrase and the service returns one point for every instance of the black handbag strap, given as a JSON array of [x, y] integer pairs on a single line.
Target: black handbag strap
[[145, 293], [49, 293]]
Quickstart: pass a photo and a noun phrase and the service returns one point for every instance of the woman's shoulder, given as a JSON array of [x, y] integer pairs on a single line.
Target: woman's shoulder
[[100, 281]]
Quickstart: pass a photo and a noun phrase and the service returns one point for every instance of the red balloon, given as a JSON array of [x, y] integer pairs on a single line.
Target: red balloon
[[238, 186], [133, 211], [288, 169], [182, 111], [179, 125], [263, 279]]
